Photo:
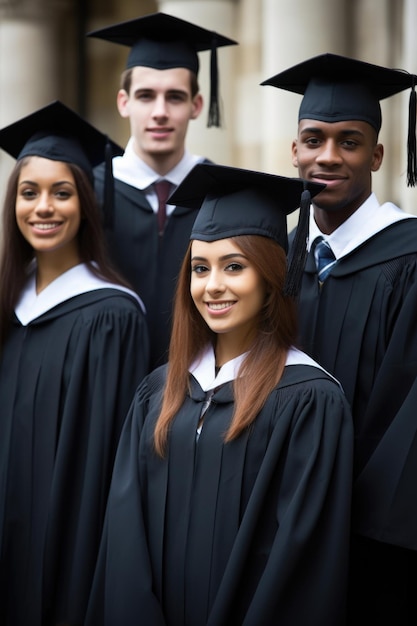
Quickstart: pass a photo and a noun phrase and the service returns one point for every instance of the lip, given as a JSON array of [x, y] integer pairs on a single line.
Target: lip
[[219, 308], [45, 227], [160, 133], [331, 180]]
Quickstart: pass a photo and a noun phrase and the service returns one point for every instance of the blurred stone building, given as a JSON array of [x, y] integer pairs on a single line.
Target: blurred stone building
[[44, 55]]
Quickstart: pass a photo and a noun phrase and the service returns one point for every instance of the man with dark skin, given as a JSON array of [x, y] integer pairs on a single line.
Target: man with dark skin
[[355, 310]]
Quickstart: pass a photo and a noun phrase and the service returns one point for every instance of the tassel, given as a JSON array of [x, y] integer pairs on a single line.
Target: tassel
[[411, 146], [298, 253], [214, 108]]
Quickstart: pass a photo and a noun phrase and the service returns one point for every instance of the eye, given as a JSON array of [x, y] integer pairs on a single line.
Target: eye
[[349, 143], [143, 96], [235, 267], [176, 97], [199, 269], [63, 194], [28, 194], [312, 141]]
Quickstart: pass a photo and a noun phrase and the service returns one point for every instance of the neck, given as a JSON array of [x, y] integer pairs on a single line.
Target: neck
[[161, 163], [227, 348], [49, 269], [329, 221]]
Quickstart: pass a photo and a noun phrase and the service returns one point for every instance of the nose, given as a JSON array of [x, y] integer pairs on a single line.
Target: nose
[[329, 153], [160, 109], [44, 205], [215, 283]]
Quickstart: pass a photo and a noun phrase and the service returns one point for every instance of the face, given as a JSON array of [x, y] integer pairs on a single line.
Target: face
[[226, 289], [342, 155], [48, 209], [159, 106]]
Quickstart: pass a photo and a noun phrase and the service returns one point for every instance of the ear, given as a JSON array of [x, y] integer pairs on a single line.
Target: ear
[[294, 153], [123, 102], [197, 106], [377, 157]]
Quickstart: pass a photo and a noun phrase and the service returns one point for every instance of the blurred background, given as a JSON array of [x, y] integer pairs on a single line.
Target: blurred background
[[45, 55]]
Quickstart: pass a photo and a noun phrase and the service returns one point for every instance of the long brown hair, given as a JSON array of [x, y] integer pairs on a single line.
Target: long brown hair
[[263, 366], [16, 252]]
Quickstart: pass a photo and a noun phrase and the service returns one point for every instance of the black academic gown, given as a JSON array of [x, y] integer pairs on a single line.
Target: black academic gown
[[149, 262], [348, 324], [66, 382], [362, 327], [254, 532]]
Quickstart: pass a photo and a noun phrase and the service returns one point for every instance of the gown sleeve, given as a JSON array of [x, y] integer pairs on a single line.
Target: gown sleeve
[[123, 577], [105, 362]]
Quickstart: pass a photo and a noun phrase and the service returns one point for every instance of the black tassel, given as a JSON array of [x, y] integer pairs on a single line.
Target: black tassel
[[298, 253], [214, 108], [108, 193], [411, 145]]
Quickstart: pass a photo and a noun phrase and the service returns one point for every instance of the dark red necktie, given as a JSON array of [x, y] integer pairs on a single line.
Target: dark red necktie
[[163, 189]]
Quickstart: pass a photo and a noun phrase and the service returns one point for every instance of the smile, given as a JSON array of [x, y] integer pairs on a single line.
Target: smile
[[218, 306], [44, 226]]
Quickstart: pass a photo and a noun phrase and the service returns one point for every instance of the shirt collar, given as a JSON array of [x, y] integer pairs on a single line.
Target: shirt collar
[[131, 169], [370, 218]]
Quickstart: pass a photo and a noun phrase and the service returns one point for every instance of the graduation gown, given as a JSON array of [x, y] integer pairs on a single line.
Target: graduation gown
[[149, 262], [348, 324], [246, 533], [67, 379]]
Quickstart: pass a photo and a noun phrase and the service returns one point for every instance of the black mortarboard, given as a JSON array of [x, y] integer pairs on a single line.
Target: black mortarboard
[[235, 201], [56, 132], [338, 88], [164, 42]]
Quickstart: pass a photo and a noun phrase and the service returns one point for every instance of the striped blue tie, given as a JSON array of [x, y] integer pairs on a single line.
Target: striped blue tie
[[325, 259]]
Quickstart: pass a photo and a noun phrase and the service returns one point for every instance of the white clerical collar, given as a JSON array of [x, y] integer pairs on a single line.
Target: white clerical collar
[[74, 282], [369, 219], [204, 368]]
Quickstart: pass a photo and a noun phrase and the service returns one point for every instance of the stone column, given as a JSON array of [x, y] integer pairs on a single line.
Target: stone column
[[218, 15], [292, 31], [32, 70]]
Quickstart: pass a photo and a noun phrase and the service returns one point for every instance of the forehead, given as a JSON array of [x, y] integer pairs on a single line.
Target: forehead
[[220, 247], [334, 128], [40, 167], [177, 78]]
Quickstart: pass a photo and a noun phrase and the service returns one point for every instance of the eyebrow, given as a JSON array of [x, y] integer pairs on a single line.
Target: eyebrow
[[346, 132], [58, 183], [225, 257], [151, 90]]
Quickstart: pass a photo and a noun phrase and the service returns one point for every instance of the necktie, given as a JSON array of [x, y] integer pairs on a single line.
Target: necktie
[[325, 259], [162, 189]]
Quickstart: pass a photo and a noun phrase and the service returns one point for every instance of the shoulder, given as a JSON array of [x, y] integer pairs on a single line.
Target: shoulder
[[152, 384], [106, 304]]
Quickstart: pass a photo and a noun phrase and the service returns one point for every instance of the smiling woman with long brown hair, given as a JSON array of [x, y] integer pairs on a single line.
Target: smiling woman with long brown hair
[[230, 497]]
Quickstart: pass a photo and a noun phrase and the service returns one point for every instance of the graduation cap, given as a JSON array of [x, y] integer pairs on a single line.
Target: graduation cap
[[162, 42], [338, 88], [57, 133], [234, 201]]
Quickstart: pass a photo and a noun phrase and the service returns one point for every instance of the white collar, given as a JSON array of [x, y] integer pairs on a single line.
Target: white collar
[[203, 368], [74, 282], [369, 219], [131, 169]]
